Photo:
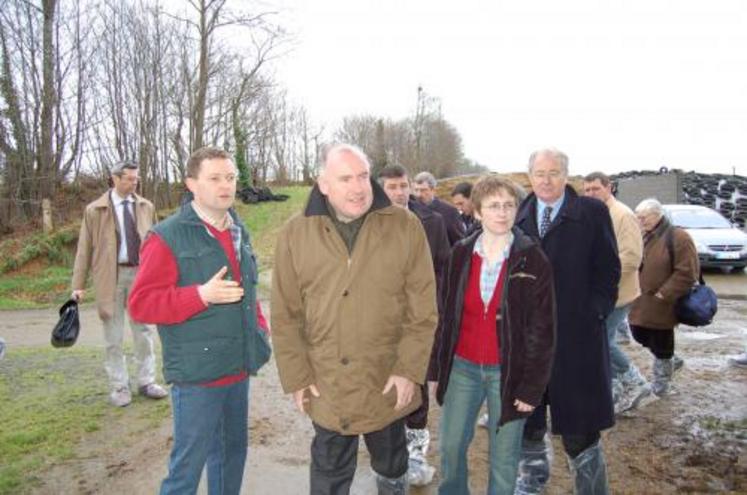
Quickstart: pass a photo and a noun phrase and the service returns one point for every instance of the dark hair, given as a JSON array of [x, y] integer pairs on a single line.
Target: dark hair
[[392, 172], [600, 176], [463, 188], [490, 185], [119, 168], [205, 153]]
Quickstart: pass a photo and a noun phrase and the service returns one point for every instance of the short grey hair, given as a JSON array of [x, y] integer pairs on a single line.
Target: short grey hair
[[425, 177], [333, 148], [650, 205], [119, 168], [558, 156]]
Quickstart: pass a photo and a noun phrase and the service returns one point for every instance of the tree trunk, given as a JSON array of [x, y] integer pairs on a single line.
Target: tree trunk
[[45, 173]]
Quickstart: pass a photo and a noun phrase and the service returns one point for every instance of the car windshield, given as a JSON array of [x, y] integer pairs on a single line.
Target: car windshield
[[699, 219]]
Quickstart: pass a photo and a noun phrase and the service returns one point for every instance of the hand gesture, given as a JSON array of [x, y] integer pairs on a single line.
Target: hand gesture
[[299, 396], [219, 291], [405, 390]]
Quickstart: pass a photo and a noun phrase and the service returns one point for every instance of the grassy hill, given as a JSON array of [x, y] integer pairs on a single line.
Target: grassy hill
[[36, 269]]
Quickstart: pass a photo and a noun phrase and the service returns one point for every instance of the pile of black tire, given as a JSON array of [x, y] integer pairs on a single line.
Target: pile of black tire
[[251, 195], [726, 194]]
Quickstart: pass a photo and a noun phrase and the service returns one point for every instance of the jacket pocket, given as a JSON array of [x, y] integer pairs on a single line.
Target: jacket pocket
[[212, 359]]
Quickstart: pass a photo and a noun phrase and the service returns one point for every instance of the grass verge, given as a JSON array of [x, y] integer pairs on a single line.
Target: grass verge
[[50, 399]]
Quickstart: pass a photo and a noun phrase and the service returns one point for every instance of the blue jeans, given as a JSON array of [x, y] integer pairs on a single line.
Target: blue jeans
[[469, 385], [210, 426], [619, 362]]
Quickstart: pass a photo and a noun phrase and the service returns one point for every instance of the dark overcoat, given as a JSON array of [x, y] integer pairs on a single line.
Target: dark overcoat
[[435, 232], [581, 246], [452, 219]]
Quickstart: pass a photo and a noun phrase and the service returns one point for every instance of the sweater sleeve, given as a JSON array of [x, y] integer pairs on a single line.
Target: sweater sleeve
[[261, 320], [155, 296]]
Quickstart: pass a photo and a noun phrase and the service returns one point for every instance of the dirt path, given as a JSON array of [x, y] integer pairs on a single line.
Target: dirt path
[[691, 442]]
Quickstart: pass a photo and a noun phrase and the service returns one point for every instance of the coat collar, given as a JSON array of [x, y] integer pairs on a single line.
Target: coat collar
[[104, 201], [420, 210], [317, 203], [187, 214], [527, 215], [522, 241]]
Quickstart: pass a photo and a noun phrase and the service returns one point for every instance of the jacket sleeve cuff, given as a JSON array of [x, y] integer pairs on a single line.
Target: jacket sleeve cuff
[[192, 302], [402, 371]]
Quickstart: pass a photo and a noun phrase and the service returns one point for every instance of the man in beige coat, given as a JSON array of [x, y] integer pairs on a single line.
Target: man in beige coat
[[629, 387], [353, 317], [108, 246]]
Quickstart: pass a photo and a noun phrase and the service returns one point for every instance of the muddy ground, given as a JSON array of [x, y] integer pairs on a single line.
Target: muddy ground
[[691, 442]]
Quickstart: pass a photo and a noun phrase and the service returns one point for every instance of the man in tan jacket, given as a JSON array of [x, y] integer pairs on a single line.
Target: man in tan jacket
[[108, 246], [629, 387], [353, 316]]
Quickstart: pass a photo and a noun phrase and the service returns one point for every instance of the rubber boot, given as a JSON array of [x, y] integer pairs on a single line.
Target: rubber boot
[[618, 388], [419, 472], [589, 472], [677, 363], [663, 369], [391, 486], [534, 466], [622, 333], [635, 390]]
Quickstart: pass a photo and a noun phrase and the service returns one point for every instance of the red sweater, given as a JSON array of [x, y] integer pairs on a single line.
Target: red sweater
[[478, 334], [155, 297]]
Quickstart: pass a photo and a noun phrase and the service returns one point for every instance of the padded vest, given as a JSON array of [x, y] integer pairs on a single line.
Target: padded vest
[[224, 339]]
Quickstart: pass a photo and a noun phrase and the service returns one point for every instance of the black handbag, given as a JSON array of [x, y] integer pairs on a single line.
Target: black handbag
[[66, 331], [698, 307]]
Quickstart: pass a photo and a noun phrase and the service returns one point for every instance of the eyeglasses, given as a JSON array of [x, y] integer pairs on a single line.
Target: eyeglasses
[[554, 175], [496, 207]]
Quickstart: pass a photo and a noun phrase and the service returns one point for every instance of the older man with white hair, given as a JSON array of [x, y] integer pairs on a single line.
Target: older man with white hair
[[576, 234], [354, 315]]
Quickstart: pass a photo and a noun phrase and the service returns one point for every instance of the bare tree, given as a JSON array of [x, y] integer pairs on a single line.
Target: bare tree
[[42, 86]]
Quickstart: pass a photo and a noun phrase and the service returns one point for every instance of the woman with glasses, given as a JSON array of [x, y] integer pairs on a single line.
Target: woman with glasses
[[495, 342]]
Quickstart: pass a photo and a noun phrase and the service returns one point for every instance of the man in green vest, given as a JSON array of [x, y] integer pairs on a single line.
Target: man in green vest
[[197, 283]]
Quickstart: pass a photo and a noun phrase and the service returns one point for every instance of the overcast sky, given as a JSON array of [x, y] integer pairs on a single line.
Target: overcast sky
[[618, 85]]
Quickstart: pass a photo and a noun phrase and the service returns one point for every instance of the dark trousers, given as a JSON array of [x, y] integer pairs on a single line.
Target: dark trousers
[[659, 342], [536, 427], [418, 419], [334, 457]]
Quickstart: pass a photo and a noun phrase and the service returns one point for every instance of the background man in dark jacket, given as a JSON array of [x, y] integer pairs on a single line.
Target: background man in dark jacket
[[396, 184], [461, 196], [577, 236], [424, 188]]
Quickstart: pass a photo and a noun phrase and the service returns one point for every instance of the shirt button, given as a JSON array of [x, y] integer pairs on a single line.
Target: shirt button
[[345, 293], [344, 361], [344, 424]]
